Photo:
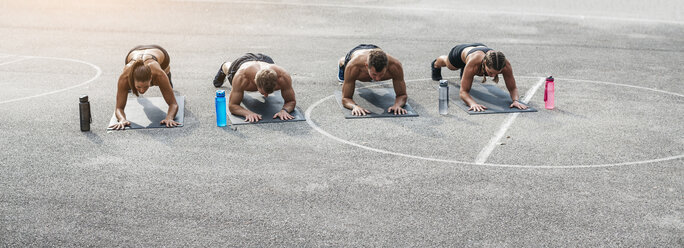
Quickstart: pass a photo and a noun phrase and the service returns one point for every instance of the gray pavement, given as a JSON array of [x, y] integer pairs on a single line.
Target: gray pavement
[[605, 168]]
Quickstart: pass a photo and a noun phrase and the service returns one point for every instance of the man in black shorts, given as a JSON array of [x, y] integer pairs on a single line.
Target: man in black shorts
[[256, 72], [367, 63]]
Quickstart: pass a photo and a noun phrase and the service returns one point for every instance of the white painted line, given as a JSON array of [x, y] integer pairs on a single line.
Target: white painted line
[[493, 142], [14, 61], [450, 10], [623, 85], [313, 125], [489, 148], [97, 68]]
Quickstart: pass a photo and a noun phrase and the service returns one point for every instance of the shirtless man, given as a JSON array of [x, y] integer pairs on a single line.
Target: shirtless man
[[256, 72], [367, 63]]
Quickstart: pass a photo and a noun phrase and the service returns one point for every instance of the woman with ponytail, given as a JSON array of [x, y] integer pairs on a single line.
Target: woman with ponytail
[[145, 66], [477, 59]]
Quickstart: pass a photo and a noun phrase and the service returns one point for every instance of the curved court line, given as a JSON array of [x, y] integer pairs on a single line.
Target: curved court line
[[450, 10], [97, 68], [14, 61], [313, 125], [624, 85]]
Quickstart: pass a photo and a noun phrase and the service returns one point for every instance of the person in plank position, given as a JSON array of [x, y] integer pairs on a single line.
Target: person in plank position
[[477, 59], [366, 63], [256, 72], [145, 66]]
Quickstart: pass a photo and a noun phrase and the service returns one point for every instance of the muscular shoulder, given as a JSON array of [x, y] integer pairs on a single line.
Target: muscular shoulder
[[283, 76], [358, 59], [239, 82], [278, 69], [392, 61], [123, 78], [475, 58], [394, 65]]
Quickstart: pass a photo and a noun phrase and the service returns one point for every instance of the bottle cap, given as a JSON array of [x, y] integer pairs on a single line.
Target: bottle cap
[[443, 83], [221, 93], [550, 78], [83, 98]]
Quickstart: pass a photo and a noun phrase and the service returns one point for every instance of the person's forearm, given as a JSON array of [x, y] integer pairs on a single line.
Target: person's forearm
[[400, 100], [289, 106], [348, 103], [238, 110], [467, 98], [171, 114], [120, 115], [514, 94]]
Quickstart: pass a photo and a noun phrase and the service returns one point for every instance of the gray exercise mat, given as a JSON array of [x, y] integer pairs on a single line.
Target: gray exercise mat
[[492, 97], [375, 100], [147, 112], [255, 102]]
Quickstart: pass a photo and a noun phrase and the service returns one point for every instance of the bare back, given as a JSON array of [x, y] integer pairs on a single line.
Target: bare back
[[356, 68], [146, 54], [244, 77]]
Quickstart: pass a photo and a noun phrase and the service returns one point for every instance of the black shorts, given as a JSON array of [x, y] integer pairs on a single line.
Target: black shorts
[[164, 64], [455, 54], [235, 66], [359, 47]]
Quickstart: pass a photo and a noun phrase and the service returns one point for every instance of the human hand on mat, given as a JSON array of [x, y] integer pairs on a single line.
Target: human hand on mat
[[120, 125], [283, 115], [398, 110], [518, 105], [358, 110], [169, 123], [477, 107], [252, 117]]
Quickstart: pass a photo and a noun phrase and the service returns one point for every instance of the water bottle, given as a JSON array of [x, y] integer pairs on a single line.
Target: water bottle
[[443, 97], [221, 108], [548, 93], [84, 112]]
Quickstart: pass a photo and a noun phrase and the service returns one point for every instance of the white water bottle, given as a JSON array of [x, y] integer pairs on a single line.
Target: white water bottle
[[443, 97]]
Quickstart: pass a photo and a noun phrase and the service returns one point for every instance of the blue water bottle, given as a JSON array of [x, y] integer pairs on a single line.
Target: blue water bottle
[[221, 108]]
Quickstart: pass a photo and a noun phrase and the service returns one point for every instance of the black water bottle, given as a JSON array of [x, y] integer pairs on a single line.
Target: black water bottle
[[84, 110]]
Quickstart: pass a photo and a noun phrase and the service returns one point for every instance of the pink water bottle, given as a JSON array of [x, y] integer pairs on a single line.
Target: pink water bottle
[[548, 93]]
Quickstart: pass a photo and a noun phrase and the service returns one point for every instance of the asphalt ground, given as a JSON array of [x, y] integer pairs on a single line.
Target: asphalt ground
[[604, 168]]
